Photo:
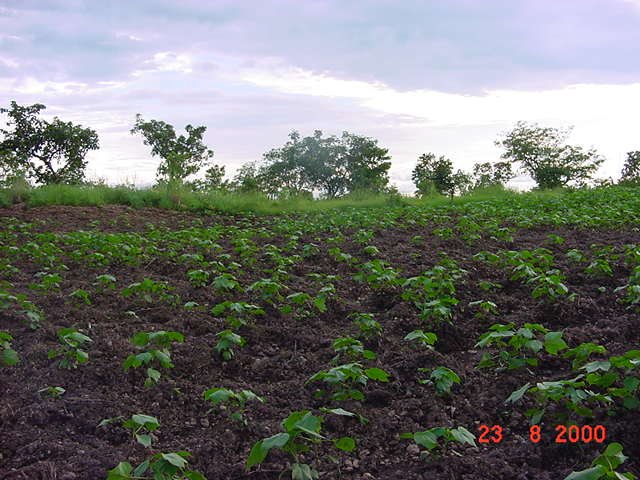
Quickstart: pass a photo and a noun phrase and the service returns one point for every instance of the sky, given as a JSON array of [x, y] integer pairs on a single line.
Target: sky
[[442, 76]]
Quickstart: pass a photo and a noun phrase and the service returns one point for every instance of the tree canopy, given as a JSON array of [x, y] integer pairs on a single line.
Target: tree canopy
[[44, 152], [332, 166], [631, 169], [542, 153], [489, 174], [435, 175], [182, 155]]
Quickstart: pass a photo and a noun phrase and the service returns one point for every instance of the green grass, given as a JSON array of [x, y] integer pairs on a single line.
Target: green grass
[[181, 199], [239, 203]]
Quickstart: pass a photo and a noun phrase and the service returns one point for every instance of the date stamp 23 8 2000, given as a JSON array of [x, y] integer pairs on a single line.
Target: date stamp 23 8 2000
[[564, 434]]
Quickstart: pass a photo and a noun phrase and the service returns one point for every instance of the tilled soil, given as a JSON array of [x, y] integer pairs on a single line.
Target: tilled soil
[[59, 439]]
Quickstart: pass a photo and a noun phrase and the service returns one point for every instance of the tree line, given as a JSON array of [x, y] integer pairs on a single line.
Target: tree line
[[52, 152]]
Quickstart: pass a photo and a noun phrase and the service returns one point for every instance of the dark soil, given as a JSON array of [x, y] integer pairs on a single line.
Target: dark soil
[[59, 439]]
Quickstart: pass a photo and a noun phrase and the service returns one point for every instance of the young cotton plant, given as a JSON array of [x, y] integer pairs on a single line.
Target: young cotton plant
[[140, 425], [227, 341], [437, 439], [604, 466], [149, 289], [105, 282], [8, 356], [70, 349], [234, 402], [51, 392], [548, 285], [80, 296], [566, 396], [518, 348], [433, 291], [618, 377], [158, 353], [485, 308], [368, 326], [631, 290], [267, 289], [19, 303], [378, 274], [239, 314], [425, 339], [48, 282], [161, 466], [352, 349], [442, 378], [347, 380], [302, 432], [580, 354], [225, 283]]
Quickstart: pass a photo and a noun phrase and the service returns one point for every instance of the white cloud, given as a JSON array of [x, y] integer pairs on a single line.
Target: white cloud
[[32, 86], [575, 103], [166, 62], [9, 62], [128, 36]]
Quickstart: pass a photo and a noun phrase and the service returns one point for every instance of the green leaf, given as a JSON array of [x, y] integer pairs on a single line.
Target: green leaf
[[462, 435], [346, 444], [153, 374], [377, 374], [593, 473], [130, 361], [310, 424], [427, 439], [9, 357], [612, 456], [140, 339], [218, 395], [191, 475], [261, 449], [121, 472], [175, 459], [534, 345], [603, 365], [302, 471], [147, 420], [144, 440], [518, 394], [141, 469], [553, 343]]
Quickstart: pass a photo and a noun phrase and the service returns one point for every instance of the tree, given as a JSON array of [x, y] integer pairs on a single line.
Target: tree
[[367, 165], [462, 183], [248, 179], [433, 174], [45, 152], [491, 174], [182, 155], [542, 153], [213, 180], [331, 165], [631, 169]]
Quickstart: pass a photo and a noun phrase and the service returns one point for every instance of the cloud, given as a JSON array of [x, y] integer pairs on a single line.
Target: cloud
[[446, 77], [166, 62], [571, 103]]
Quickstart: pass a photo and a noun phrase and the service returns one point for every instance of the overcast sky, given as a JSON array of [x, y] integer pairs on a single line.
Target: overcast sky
[[442, 76]]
